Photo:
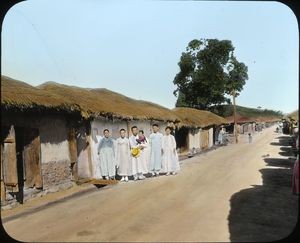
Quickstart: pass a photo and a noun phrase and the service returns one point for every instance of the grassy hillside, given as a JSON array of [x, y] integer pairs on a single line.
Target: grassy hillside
[[227, 110]]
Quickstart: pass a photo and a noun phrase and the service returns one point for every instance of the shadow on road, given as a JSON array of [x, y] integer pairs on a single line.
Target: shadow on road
[[266, 212]]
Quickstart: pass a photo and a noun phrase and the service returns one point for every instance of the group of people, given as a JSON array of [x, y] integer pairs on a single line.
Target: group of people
[[137, 156]]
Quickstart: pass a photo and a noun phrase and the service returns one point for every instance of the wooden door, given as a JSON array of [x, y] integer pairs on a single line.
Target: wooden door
[[31, 158], [9, 157], [204, 136]]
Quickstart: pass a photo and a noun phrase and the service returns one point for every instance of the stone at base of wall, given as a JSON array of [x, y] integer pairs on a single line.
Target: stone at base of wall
[[30, 193], [55, 173]]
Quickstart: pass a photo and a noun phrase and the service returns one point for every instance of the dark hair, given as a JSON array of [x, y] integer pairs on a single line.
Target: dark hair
[[168, 127], [133, 127], [141, 131], [154, 125], [122, 129], [105, 130]]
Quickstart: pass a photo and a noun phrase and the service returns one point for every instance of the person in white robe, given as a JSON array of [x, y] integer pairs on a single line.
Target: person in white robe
[[137, 166], [170, 156], [123, 158], [155, 165], [106, 151], [221, 135]]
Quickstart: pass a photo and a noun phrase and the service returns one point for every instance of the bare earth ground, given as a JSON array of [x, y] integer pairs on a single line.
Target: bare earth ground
[[229, 194]]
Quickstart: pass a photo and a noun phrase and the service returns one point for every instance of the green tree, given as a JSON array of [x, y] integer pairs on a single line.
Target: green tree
[[208, 71], [236, 77]]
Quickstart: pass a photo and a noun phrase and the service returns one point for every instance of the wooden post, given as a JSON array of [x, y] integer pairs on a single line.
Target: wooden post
[[73, 152], [234, 117], [88, 147]]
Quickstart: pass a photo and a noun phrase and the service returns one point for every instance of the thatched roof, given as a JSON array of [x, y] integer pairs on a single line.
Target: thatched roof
[[89, 102], [294, 115], [21, 95], [103, 102], [197, 118]]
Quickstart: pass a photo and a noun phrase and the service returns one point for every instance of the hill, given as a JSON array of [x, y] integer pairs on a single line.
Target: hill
[[227, 111]]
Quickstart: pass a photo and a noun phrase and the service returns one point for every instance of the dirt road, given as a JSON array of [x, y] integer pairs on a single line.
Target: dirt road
[[191, 206]]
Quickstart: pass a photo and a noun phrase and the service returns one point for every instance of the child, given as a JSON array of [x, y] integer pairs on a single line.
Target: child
[[106, 153], [123, 156], [249, 138], [170, 156]]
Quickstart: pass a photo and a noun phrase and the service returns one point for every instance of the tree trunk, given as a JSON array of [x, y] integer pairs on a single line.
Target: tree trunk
[[234, 117]]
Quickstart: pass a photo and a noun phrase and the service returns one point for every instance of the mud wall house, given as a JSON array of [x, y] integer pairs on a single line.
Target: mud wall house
[[244, 124], [195, 129], [36, 154], [104, 109]]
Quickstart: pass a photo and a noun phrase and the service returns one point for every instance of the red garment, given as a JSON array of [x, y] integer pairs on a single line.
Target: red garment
[[295, 184]]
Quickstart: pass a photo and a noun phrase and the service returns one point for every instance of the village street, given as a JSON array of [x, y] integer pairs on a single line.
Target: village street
[[191, 206]]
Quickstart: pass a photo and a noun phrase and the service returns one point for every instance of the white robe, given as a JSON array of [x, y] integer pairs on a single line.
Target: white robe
[[138, 164], [106, 151], [170, 156], [123, 159], [155, 155], [144, 158]]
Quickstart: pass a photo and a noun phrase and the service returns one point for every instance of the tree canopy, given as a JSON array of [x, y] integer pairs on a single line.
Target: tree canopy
[[208, 72]]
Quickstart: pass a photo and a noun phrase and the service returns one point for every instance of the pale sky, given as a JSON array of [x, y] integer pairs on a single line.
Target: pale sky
[[133, 47]]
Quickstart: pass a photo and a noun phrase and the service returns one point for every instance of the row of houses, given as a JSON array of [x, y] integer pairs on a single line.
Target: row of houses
[[251, 125], [48, 133]]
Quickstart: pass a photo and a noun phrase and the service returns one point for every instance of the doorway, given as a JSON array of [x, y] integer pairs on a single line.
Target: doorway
[[28, 160]]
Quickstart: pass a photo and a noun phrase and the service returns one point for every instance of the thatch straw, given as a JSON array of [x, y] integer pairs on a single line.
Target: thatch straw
[[18, 94], [191, 117], [103, 102], [294, 115], [90, 102]]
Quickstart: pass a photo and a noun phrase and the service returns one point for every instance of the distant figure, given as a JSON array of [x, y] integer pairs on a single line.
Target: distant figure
[[277, 129], [170, 156], [123, 158], [106, 152], [156, 151], [221, 135], [249, 137]]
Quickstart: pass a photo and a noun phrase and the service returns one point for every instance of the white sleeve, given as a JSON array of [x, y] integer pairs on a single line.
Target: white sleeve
[[132, 142], [163, 142], [117, 153], [173, 142]]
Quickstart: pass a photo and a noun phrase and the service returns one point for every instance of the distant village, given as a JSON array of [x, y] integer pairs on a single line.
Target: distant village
[[49, 133]]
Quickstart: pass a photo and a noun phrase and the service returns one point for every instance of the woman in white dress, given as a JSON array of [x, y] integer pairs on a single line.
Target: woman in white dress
[[170, 156], [123, 158]]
